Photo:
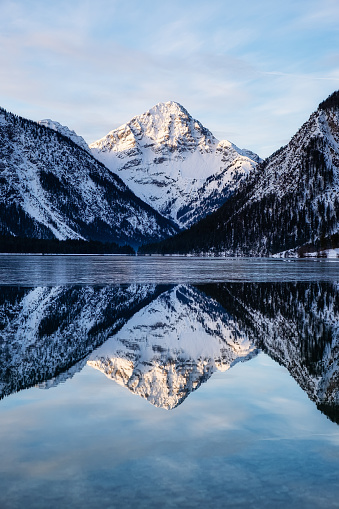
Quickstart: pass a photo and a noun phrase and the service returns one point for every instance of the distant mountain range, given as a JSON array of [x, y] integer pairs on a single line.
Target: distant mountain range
[[163, 172]]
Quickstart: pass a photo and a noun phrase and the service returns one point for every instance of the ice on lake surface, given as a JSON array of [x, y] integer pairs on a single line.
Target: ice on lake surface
[[168, 382], [52, 270]]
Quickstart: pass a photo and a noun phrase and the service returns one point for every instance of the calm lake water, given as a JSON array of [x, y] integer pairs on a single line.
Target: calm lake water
[[168, 382]]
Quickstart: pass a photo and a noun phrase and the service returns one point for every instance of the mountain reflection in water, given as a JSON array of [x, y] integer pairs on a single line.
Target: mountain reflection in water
[[163, 341]]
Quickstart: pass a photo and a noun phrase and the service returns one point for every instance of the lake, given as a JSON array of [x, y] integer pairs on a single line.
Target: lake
[[168, 382]]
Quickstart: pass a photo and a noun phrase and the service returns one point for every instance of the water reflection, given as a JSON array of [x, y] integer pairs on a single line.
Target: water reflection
[[45, 331], [297, 324], [173, 345], [163, 341]]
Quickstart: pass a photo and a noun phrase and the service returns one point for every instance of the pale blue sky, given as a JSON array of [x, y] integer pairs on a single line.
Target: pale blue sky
[[252, 72]]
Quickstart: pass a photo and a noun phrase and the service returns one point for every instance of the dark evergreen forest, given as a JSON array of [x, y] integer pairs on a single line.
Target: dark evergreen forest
[[54, 246]]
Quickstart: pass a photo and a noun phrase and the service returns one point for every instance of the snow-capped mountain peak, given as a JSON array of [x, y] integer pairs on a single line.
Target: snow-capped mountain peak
[[165, 127], [174, 163]]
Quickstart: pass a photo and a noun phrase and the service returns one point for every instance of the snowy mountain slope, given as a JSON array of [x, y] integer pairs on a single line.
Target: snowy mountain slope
[[289, 200], [65, 131], [46, 332], [166, 350], [50, 187], [174, 163]]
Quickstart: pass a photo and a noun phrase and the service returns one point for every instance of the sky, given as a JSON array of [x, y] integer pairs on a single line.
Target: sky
[[251, 72]]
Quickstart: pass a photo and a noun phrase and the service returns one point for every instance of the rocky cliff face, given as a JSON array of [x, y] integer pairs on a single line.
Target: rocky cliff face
[[174, 163], [298, 187], [50, 187]]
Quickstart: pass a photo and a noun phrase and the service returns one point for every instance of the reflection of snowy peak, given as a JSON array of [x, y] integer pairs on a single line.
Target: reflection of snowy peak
[[174, 163], [65, 131], [166, 350]]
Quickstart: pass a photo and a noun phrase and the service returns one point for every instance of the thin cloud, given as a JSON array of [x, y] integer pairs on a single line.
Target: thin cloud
[[301, 76]]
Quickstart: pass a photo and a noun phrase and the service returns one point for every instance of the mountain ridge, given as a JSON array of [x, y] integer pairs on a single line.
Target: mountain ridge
[[65, 131], [52, 187]]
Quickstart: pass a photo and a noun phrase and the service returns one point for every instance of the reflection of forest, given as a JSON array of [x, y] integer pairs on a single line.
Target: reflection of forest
[[297, 324], [46, 331]]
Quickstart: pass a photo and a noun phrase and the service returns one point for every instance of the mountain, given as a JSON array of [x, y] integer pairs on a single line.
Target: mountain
[[65, 131], [172, 162], [289, 202], [50, 187]]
